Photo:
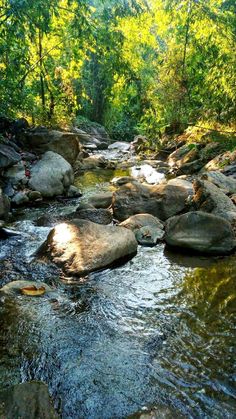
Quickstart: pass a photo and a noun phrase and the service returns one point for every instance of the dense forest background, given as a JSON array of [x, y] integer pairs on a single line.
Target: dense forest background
[[131, 65]]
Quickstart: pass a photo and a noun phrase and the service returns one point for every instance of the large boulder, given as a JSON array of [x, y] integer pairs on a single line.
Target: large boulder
[[102, 200], [163, 201], [148, 229], [201, 232], [4, 206], [41, 139], [81, 246], [52, 175], [211, 199], [27, 401], [8, 156], [226, 183]]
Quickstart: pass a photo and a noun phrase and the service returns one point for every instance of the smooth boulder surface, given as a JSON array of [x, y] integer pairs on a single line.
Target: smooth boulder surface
[[201, 232], [8, 156], [14, 287], [210, 198], [102, 200], [41, 139], [226, 183], [27, 401], [81, 246], [52, 175], [163, 201], [148, 229]]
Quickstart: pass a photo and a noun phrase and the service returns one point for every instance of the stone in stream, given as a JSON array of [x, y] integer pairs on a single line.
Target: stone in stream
[[102, 200], [51, 176], [14, 288], [211, 199], [163, 201], [201, 232], [99, 216], [148, 229], [81, 246], [157, 412], [29, 400], [4, 206]]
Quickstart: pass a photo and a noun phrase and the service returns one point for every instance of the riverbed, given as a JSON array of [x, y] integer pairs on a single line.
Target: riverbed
[[156, 331]]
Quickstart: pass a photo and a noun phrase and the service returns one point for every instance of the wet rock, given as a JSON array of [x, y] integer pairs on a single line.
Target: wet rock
[[92, 162], [120, 146], [81, 246], [27, 401], [4, 206], [162, 201], [73, 192], [34, 195], [148, 229], [119, 181], [52, 175], [197, 231], [5, 233], [16, 174], [226, 183], [211, 199], [45, 220], [41, 140], [99, 216], [14, 287], [20, 198], [157, 412], [8, 156], [102, 200]]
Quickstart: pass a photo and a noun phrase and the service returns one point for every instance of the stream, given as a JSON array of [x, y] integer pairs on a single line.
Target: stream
[[157, 331]]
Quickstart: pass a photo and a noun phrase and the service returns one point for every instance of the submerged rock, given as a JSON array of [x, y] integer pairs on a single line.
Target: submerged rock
[[81, 246], [201, 232], [27, 401], [15, 287], [52, 175], [148, 229]]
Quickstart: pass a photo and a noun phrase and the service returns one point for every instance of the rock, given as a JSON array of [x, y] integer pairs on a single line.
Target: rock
[[197, 231], [16, 174], [92, 162], [20, 198], [28, 156], [221, 161], [73, 192], [158, 412], [4, 206], [227, 183], [120, 145], [34, 195], [148, 229], [27, 401], [5, 233], [211, 199], [102, 200], [182, 183], [45, 220], [82, 246], [139, 144], [183, 155], [41, 140], [162, 201], [118, 181], [99, 216], [8, 156], [147, 173], [52, 175], [14, 287]]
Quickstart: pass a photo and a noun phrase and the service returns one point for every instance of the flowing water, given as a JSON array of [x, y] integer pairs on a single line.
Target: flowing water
[[159, 330]]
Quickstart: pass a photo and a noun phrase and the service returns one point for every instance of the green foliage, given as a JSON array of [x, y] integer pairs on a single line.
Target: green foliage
[[133, 65]]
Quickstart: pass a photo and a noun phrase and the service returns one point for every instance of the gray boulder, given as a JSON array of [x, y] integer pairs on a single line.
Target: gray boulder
[[41, 139], [8, 156], [102, 200], [148, 229], [52, 175], [211, 199], [27, 400], [81, 246], [201, 232], [163, 201], [15, 175], [226, 183], [20, 198]]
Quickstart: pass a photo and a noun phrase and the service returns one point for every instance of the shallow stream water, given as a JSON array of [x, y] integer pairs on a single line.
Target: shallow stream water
[[159, 330]]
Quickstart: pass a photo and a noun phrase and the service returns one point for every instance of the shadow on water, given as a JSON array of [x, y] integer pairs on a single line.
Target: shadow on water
[[158, 330]]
